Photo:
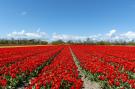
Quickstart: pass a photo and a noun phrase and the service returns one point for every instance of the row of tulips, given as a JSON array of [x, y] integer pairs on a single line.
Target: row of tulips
[[124, 52], [15, 73], [109, 58], [12, 55], [52, 67], [60, 74], [113, 72]]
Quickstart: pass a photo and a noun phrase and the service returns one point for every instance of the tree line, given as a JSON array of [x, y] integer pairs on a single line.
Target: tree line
[[91, 42], [57, 42], [22, 42]]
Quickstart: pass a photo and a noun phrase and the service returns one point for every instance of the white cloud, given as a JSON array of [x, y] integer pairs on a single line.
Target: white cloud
[[66, 37], [97, 37], [23, 13], [110, 36], [128, 36], [111, 33], [29, 35]]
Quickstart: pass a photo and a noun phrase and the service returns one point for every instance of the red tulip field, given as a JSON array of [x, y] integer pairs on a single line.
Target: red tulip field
[[67, 67]]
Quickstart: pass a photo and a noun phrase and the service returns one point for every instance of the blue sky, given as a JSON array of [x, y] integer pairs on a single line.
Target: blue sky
[[67, 17]]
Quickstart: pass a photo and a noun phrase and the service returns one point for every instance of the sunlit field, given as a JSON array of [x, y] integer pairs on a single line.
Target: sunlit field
[[67, 44], [67, 67]]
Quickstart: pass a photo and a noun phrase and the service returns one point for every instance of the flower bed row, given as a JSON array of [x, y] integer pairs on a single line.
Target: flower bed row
[[11, 76], [12, 55], [112, 72], [60, 74]]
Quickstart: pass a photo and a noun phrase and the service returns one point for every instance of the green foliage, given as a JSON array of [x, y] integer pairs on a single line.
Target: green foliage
[[88, 41], [22, 42], [65, 84], [57, 42]]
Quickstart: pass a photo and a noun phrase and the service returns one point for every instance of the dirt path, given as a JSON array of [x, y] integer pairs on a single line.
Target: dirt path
[[87, 84], [23, 46]]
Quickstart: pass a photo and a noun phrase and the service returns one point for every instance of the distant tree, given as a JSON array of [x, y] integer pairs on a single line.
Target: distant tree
[[57, 42], [89, 41], [70, 42], [22, 42]]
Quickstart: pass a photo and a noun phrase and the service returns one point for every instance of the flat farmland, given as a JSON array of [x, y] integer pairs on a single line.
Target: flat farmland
[[67, 67], [14, 46]]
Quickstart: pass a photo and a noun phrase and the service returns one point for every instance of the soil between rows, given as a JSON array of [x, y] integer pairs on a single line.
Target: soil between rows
[[87, 84]]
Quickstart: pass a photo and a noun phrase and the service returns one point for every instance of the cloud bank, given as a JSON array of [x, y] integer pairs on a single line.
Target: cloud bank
[[28, 35], [112, 35], [67, 37]]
